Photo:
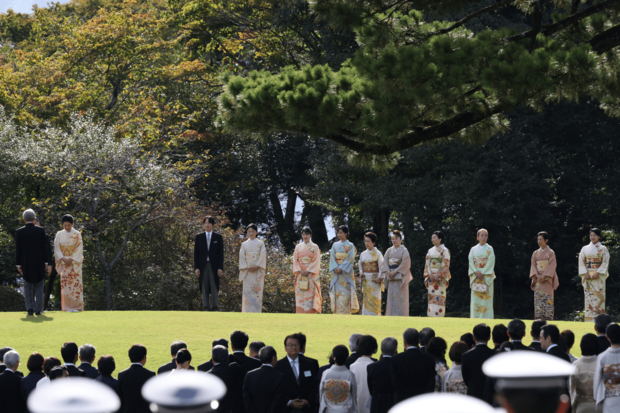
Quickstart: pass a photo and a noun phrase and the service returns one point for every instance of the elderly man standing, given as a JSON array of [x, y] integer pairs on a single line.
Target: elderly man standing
[[32, 258], [11, 397]]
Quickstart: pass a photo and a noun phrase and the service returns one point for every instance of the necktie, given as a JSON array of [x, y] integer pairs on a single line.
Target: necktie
[[294, 362]]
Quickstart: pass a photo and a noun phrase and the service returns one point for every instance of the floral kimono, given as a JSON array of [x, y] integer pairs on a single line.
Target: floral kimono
[[370, 266], [397, 260], [593, 260], [307, 257], [482, 259], [252, 253], [69, 245], [544, 282], [437, 264], [342, 292]]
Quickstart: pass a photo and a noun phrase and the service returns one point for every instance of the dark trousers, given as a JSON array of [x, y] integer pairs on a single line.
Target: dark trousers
[[33, 293], [209, 285]]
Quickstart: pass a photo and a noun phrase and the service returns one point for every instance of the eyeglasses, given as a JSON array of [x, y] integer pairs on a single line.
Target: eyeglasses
[[292, 345]]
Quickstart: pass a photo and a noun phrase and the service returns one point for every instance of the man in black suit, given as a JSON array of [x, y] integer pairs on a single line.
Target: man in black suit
[[535, 333], [174, 349], [472, 361], [32, 256], [206, 366], [353, 347], [69, 353], [313, 362], [87, 357], [413, 372], [131, 380], [499, 335], [263, 388], [516, 332], [11, 396], [299, 383], [3, 351], [238, 343], [380, 378], [549, 339], [209, 263], [426, 335], [255, 347], [600, 325], [232, 375]]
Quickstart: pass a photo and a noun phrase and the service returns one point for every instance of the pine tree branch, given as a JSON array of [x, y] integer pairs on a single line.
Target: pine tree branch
[[606, 41]]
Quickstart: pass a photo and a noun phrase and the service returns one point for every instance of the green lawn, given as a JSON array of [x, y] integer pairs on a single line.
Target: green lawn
[[114, 332]]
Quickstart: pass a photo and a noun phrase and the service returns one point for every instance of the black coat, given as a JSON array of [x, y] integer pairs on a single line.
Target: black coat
[[603, 344], [471, 366], [75, 372], [380, 385], [130, 382], [11, 396], [263, 391], [90, 371], [3, 367], [206, 366], [555, 351], [313, 363], [536, 346], [351, 359], [305, 390], [32, 251], [520, 346], [29, 383], [171, 366], [413, 373], [246, 363], [215, 252], [232, 375]]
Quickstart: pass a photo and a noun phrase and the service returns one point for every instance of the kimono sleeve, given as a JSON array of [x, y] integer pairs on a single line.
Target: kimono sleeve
[[296, 267], [360, 267], [332, 258], [78, 255], [381, 275], [315, 264], [347, 265], [262, 258], [445, 264], [582, 263], [57, 251], [552, 265], [243, 264], [604, 268], [533, 268], [490, 266]]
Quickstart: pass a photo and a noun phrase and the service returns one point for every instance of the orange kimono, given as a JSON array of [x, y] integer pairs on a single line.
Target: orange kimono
[[307, 257]]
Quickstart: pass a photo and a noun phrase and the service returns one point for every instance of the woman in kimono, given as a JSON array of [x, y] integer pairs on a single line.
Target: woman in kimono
[[342, 292], [607, 374], [68, 252], [582, 380], [252, 266], [593, 270], [397, 276], [338, 388], [306, 268], [371, 261], [544, 278], [481, 277], [437, 275]]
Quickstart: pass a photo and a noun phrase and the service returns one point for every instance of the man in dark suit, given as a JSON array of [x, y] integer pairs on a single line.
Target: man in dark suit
[[32, 256], [413, 372], [516, 332], [87, 356], [11, 396], [380, 378], [549, 339], [426, 335], [255, 347], [263, 388], [353, 347], [232, 376], [535, 333], [499, 334], [69, 353], [174, 349], [209, 263], [313, 362], [472, 361], [209, 364], [299, 383], [131, 380], [600, 325], [3, 351], [238, 343]]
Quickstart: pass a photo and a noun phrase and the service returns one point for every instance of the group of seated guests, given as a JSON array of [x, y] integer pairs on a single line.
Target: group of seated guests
[[352, 382]]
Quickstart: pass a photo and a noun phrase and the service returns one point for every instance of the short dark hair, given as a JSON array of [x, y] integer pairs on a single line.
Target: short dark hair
[[340, 354], [292, 337], [426, 334], [220, 342], [3, 351], [137, 353], [439, 235], [536, 326], [66, 218], [306, 230], [499, 333], [184, 355], [551, 331], [367, 345], [569, 338], [589, 345], [302, 340], [613, 333], [35, 362], [68, 351], [210, 219], [506, 346], [371, 236], [516, 329], [253, 226], [601, 322], [106, 365], [456, 351], [468, 338], [255, 346], [437, 348], [543, 234], [266, 354], [482, 332], [57, 372], [397, 233], [239, 340], [50, 363], [343, 228], [411, 337], [176, 346], [597, 232]]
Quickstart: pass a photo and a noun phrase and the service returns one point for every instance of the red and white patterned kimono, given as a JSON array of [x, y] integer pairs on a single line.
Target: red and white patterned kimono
[[437, 265], [69, 245], [307, 257]]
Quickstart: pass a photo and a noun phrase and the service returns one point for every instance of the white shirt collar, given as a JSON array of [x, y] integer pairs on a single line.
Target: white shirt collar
[[410, 347], [208, 232], [86, 362], [551, 346], [535, 341], [290, 360], [238, 351], [481, 344], [384, 356], [268, 365], [69, 364], [8, 369], [139, 364], [515, 341]]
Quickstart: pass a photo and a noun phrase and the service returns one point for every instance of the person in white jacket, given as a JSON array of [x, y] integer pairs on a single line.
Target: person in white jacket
[[338, 388]]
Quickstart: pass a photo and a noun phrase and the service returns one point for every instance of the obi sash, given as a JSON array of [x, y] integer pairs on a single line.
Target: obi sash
[[611, 377], [338, 395], [341, 257], [371, 267], [436, 264], [394, 263], [252, 258], [593, 264], [480, 262], [306, 260], [542, 265]]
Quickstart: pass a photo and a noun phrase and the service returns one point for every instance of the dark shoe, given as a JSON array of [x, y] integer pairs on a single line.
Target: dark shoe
[[38, 313], [30, 312]]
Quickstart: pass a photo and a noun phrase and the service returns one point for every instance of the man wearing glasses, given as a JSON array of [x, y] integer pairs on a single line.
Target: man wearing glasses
[[299, 380]]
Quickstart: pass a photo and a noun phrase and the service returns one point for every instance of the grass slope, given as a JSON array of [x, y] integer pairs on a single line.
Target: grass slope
[[114, 332]]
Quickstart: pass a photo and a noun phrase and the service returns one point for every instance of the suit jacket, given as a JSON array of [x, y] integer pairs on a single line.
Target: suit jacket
[[11, 396], [603, 343], [89, 371], [306, 389], [471, 366], [245, 362], [3, 368], [380, 385], [555, 351], [314, 363], [130, 382], [351, 359], [109, 381], [29, 383], [215, 252], [413, 373], [263, 390], [171, 366], [520, 346], [32, 251], [209, 364], [536, 346], [232, 375], [75, 372]]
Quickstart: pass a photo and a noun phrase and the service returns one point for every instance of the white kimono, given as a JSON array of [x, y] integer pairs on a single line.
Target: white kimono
[[370, 265], [338, 391], [594, 260], [607, 381], [581, 385], [252, 253], [359, 368], [453, 381]]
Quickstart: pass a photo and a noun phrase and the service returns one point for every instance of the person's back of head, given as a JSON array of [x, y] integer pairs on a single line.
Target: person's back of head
[[49, 364], [468, 338], [176, 346], [3, 351], [426, 335], [219, 354], [589, 345], [184, 356], [353, 341], [11, 358], [411, 337], [302, 341], [106, 365], [69, 352], [516, 329], [569, 339], [437, 348], [220, 342], [35, 362], [87, 353], [58, 372], [266, 355], [255, 346], [499, 334], [137, 353], [389, 346], [239, 340], [536, 326], [613, 333], [367, 345], [601, 322], [340, 354], [482, 332], [457, 350], [551, 331]]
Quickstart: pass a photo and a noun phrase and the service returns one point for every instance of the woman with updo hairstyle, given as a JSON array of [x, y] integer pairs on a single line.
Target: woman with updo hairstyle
[[338, 387], [306, 268], [69, 254], [437, 276], [252, 266], [481, 277], [594, 271], [342, 291], [396, 275], [371, 261]]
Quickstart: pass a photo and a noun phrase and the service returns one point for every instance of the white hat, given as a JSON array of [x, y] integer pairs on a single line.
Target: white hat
[[74, 395], [184, 390], [443, 403]]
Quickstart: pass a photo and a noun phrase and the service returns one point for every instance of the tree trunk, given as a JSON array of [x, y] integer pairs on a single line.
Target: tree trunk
[[384, 234], [108, 290], [285, 220], [316, 222]]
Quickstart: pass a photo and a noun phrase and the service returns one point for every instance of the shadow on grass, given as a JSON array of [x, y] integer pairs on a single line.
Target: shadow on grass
[[37, 319]]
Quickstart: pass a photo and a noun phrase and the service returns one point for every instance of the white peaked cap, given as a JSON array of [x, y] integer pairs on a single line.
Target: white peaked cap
[[74, 395], [442, 403]]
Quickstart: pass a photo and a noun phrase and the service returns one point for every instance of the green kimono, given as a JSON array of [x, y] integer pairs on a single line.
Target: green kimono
[[481, 258]]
